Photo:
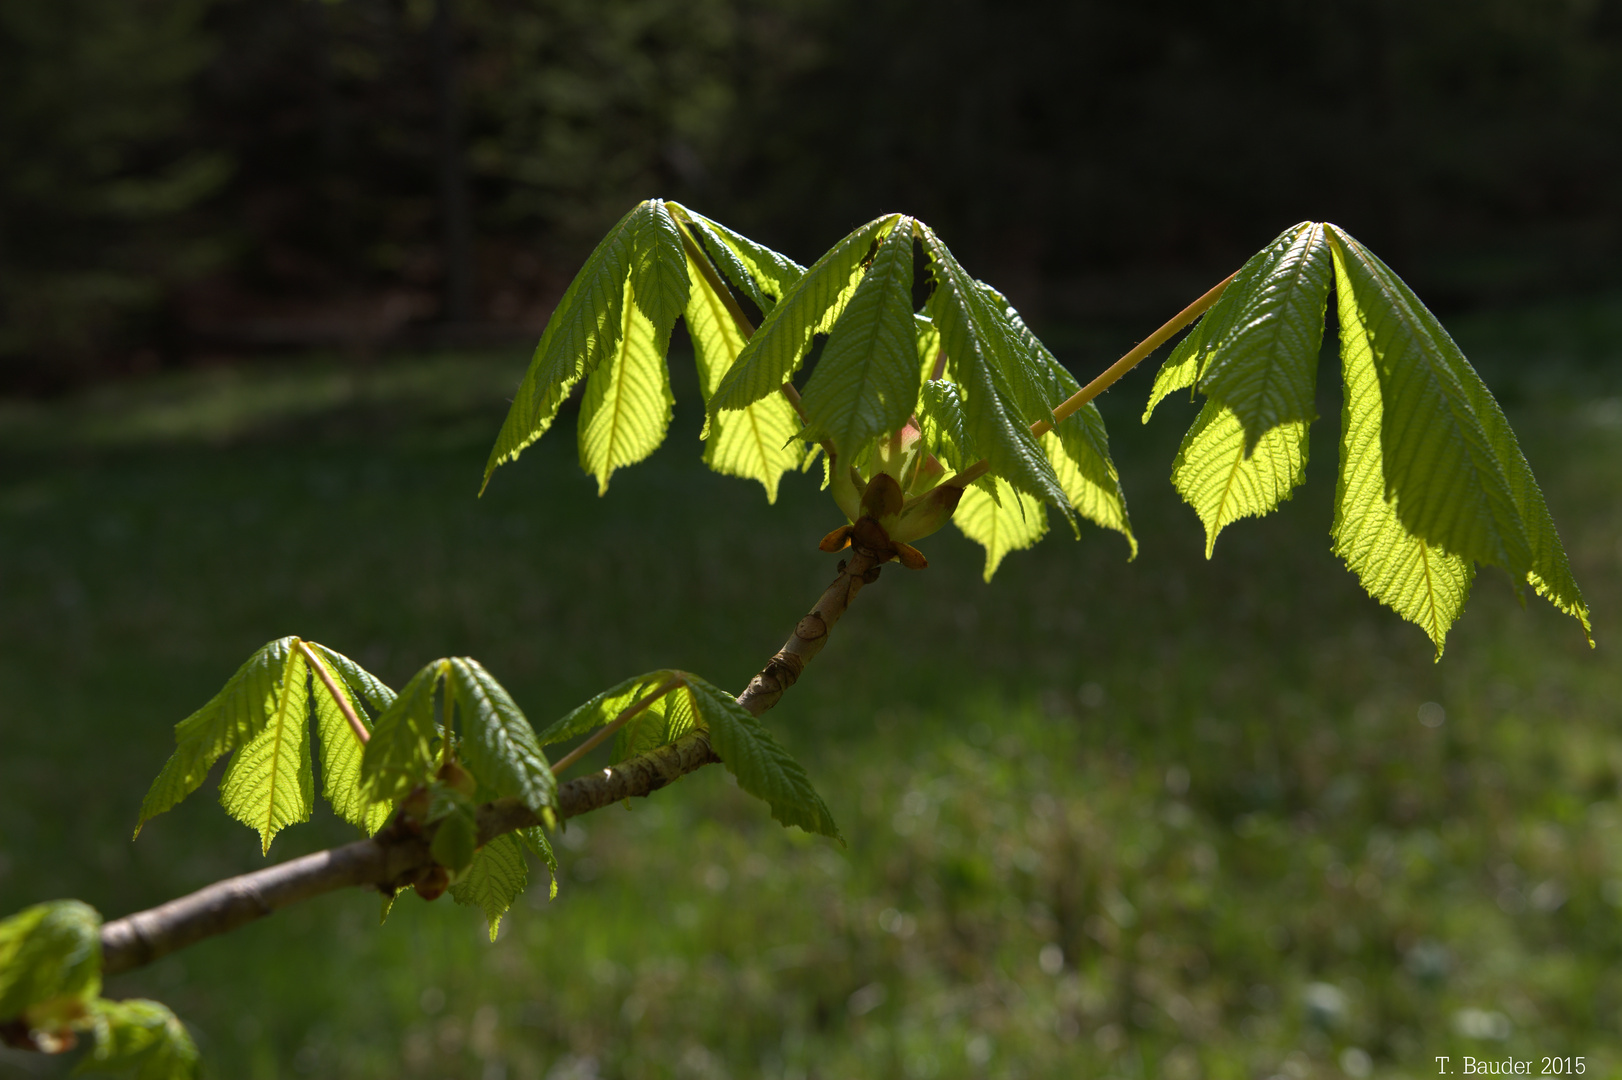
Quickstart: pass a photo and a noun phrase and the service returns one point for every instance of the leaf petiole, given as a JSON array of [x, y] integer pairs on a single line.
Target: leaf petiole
[[631, 711], [339, 697], [1109, 376]]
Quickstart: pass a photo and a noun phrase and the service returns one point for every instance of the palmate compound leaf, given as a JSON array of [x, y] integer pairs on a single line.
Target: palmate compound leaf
[[142, 1039], [494, 879], [1431, 477], [866, 382], [1453, 470], [263, 714], [812, 306], [760, 441], [50, 962], [683, 701]]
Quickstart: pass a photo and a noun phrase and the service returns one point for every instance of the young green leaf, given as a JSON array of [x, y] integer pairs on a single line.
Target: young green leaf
[[866, 382], [498, 742], [457, 835], [269, 784], [1420, 581], [1009, 521], [777, 349], [661, 724], [1215, 475], [763, 768], [232, 717], [585, 326], [357, 678], [941, 425], [494, 879], [400, 754], [977, 341], [626, 410], [757, 271], [140, 1038], [341, 753], [1078, 448], [535, 839], [1079, 452], [50, 963], [1181, 368], [606, 706], [1453, 469], [1264, 366], [759, 442]]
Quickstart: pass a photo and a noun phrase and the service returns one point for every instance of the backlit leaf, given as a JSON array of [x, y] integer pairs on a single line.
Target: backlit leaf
[[1453, 469], [269, 784], [493, 880], [231, 718], [584, 327], [1264, 365], [606, 706], [1420, 581], [866, 381], [760, 441], [341, 753], [778, 347], [754, 269], [976, 342], [1222, 484], [1010, 521]]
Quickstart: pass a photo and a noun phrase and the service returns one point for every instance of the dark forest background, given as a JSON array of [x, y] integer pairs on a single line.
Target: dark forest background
[[189, 179]]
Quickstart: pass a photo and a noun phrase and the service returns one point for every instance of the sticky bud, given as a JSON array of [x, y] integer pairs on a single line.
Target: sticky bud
[[838, 540], [925, 514], [433, 882], [454, 776], [910, 557], [883, 497]]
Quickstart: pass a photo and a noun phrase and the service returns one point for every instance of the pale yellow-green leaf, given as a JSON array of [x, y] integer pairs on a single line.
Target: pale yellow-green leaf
[[1018, 523], [626, 410], [1419, 581], [759, 441], [1102, 504], [269, 785], [1215, 477], [341, 752]]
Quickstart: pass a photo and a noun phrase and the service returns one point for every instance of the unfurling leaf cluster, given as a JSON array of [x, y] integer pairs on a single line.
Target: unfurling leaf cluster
[[965, 365], [1431, 478], [50, 987]]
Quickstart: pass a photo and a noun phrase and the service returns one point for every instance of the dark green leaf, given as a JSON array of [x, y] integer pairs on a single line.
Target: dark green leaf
[[400, 754], [495, 878]]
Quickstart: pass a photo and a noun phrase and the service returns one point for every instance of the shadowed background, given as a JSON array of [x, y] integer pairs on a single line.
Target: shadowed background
[[269, 272]]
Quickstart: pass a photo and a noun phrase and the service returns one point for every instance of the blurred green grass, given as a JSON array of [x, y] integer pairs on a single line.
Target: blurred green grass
[[1166, 818]]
